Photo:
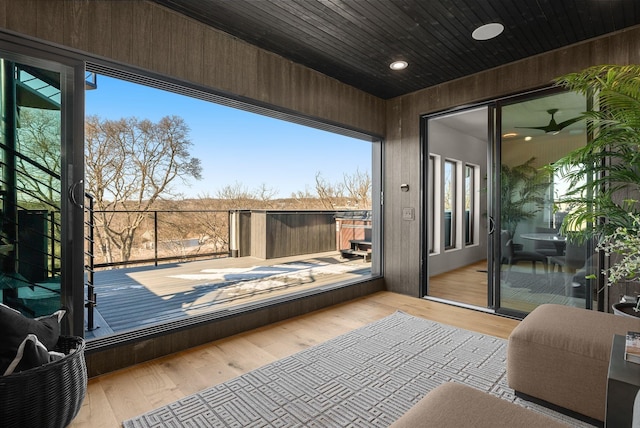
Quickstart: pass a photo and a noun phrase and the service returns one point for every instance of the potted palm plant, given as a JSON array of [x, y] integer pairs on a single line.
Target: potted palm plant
[[522, 190], [604, 175]]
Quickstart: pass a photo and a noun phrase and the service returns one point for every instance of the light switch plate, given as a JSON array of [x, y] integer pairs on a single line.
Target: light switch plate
[[408, 213]]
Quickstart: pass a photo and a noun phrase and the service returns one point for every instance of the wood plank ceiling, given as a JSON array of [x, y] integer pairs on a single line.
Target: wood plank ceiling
[[354, 41]]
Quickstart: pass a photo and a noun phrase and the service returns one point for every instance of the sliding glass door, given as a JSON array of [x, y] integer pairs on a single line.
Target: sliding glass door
[[535, 262], [456, 220], [41, 242], [493, 205]]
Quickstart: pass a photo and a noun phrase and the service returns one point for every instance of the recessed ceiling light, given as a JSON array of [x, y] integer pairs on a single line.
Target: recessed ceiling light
[[528, 138], [487, 31], [398, 65]]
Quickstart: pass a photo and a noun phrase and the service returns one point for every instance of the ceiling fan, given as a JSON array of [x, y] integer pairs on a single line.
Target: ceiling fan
[[552, 127]]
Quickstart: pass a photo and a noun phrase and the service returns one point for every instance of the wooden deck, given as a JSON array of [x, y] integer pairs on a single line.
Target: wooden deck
[[135, 297]]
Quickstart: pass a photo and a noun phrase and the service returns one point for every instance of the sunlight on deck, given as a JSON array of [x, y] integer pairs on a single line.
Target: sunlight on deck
[[138, 297]]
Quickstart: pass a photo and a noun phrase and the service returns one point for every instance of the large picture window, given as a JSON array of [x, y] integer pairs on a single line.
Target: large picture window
[[199, 206]]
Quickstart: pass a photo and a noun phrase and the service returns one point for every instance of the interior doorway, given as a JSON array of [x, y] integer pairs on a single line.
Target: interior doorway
[[457, 210]]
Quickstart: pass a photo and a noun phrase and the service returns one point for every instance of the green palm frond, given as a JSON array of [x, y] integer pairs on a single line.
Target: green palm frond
[[605, 174], [521, 192], [621, 79]]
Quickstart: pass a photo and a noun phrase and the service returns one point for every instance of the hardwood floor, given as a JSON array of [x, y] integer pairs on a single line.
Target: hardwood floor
[[465, 285], [469, 285], [118, 396]]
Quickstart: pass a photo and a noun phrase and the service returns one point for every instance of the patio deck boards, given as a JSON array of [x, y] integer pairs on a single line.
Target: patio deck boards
[[134, 297]]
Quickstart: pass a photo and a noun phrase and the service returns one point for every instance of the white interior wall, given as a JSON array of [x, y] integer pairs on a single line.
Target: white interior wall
[[450, 143]]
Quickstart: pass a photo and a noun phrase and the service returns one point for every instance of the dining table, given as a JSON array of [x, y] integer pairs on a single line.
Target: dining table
[[558, 240]]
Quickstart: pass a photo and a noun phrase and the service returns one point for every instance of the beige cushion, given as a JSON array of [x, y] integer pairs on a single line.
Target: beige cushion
[[456, 405], [560, 354]]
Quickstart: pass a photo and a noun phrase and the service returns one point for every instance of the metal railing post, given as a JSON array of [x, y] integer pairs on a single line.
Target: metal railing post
[[155, 237], [91, 294], [52, 240], [234, 220]]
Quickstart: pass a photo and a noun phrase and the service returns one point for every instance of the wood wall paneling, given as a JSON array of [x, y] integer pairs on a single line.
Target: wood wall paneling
[[625, 49], [258, 230], [180, 46], [122, 34], [75, 26], [195, 49], [161, 38], [152, 37], [229, 64], [299, 86], [3, 15], [399, 249], [274, 75], [21, 16], [411, 174], [51, 20], [245, 235], [142, 36], [100, 28]]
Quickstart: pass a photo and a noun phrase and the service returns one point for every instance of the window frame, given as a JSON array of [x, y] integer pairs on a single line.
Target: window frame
[[472, 192], [134, 75], [454, 201]]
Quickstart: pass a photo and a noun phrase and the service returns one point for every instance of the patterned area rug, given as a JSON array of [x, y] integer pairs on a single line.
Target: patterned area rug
[[366, 378]]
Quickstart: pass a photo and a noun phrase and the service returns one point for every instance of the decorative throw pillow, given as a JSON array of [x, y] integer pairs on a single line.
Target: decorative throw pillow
[[31, 353], [15, 327]]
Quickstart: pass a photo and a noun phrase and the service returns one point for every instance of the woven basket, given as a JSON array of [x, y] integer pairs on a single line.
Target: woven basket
[[49, 395]]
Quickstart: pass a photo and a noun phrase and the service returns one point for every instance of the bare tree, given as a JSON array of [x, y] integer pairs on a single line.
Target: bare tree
[[39, 142], [130, 164], [354, 191], [358, 187], [265, 194], [236, 196], [306, 199], [330, 194], [38, 165]]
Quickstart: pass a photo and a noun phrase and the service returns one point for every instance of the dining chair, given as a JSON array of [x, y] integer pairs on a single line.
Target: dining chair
[[511, 256], [574, 258]]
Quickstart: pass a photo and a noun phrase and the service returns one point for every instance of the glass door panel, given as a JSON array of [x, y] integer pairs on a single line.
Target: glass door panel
[[456, 205], [40, 270], [538, 264], [31, 188]]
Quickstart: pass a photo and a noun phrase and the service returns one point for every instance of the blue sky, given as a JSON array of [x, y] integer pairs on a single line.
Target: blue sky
[[237, 146]]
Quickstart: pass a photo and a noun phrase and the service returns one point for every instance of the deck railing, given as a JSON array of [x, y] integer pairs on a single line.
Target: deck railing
[[162, 236], [165, 236]]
